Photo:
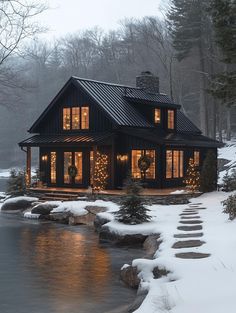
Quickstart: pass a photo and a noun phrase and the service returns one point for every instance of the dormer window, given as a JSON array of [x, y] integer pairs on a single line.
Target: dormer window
[[171, 119], [157, 116], [76, 118]]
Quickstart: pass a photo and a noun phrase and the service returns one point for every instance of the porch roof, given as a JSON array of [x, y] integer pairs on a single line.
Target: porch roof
[[65, 140]]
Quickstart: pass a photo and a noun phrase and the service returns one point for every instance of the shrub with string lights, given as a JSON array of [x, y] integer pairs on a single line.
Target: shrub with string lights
[[100, 172], [192, 179]]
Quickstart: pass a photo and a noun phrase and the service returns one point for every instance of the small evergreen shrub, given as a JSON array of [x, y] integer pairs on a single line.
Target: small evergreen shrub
[[229, 181], [132, 210], [208, 176], [230, 206], [16, 183]]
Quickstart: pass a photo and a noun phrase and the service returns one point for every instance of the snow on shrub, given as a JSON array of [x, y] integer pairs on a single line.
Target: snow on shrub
[[230, 206]]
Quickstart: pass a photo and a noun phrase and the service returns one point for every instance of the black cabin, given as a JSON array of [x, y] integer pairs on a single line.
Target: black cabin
[[141, 131]]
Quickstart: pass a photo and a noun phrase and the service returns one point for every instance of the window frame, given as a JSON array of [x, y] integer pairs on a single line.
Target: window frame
[[176, 169], [157, 123], [144, 152], [169, 120], [71, 129]]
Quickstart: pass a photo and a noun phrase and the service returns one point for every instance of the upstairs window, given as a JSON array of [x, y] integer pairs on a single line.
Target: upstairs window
[[76, 118], [171, 119], [157, 116]]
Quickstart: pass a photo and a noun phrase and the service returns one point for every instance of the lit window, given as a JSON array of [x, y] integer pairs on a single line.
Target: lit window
[[174, 164], [66, 118], [67, 164], [79, 166], [157, 116], [91, 167], [53, 163], [136, 155], [171, 119], [85, 118], [196, 157], [75, 118]]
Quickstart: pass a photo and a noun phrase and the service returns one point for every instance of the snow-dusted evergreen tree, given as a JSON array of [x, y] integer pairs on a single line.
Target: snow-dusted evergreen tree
[[230, 206], [132, 210], [16, 183], [208, 176], [192, 178]]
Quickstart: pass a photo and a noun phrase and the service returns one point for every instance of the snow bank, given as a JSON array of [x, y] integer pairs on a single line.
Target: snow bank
[[200, 285], [32, 216], [78, 207], [228, 152], [21, 198], [178, 192]]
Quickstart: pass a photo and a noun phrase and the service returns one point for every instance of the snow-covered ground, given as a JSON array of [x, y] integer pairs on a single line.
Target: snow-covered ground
[[194, 285], [228, 152]]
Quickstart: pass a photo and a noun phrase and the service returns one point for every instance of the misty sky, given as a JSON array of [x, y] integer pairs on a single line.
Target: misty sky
[[68, 16]]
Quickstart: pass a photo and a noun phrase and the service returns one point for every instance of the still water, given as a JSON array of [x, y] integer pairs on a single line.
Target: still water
[[51, 268]]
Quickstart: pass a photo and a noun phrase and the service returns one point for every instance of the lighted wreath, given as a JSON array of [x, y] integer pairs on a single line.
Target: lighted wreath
[[144, 163], [72, 171]]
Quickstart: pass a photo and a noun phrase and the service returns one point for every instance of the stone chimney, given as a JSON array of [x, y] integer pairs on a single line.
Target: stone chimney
[[148, 82]]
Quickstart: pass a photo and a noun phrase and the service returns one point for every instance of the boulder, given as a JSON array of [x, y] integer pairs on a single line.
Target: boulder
[[61, 217], [44, 208], [86, 219], [99, 221], [129, 239], [94, 209], [18, 203], [129, 275], [151, 244]]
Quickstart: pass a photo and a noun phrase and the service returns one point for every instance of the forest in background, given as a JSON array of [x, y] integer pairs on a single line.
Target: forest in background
[[191, 48]]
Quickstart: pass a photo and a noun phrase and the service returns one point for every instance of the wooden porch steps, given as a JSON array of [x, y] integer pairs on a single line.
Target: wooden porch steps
[[55, 196]]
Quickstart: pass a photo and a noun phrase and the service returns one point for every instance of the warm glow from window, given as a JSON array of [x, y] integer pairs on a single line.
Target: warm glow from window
[[171, 119], [91, 167], [79, 166], [75, 118], [85, 118], [157, 116], [53, 164], [196, 158], [66, 118], [174, 164], [135, 170], [67, 163]]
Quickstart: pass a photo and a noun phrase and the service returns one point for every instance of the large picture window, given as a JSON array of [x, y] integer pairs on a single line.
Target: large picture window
[[174, 164], [171, 119], [135, 170], [76, 118]]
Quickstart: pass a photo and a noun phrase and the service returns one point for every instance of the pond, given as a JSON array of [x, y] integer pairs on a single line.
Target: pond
[[51, 268]]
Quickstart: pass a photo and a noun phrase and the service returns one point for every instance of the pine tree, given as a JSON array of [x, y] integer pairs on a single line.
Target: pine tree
[[208, 176], [16, 183], [192, 179], [223, 85], [132, 210]]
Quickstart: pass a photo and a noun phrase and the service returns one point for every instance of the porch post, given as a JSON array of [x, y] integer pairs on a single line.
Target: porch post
[[95, 149], [28, 167]]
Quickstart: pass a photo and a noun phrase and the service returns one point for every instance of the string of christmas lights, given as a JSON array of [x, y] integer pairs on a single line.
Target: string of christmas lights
[[100, 172], [192, 179]]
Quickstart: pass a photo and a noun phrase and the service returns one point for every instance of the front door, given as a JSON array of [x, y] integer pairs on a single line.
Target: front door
[[74, 159]]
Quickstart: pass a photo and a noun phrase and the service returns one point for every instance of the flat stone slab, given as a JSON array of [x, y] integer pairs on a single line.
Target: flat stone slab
[[187, 244], [188, 235], [201, 208], [192, 255], [190, 228], [188, 213], [190, 217], [191, 222], [193, 204]]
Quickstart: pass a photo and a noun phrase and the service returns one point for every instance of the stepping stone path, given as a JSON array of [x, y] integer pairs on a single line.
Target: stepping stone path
[[191, 219], [187, 244]]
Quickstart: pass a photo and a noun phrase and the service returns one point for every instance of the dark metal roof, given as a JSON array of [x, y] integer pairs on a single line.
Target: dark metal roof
[[110, 98], [184, 125], [84, 138], [176, 139]]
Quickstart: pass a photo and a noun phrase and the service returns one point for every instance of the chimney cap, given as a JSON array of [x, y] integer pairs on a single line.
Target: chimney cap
[[143, 73]]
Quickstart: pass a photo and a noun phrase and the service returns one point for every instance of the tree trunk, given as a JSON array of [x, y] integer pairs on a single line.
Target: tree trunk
[[220, 122], [202, 98], [228, 124]]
